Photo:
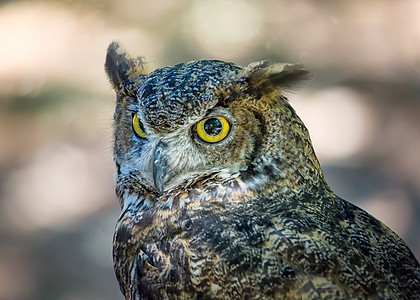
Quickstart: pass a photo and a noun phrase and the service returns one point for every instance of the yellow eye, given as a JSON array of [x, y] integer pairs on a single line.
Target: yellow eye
[[213, 130], [138, 127]]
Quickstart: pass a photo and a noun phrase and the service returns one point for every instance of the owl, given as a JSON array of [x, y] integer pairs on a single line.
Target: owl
[[222, 196]]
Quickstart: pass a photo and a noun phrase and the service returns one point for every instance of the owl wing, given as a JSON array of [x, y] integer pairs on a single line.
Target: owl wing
[[343, 254]]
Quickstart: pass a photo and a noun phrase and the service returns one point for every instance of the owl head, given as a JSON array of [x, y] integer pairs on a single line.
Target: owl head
[[177, 126]]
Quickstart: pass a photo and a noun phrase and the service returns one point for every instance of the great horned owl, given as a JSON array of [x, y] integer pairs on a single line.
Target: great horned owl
[[222, 195]]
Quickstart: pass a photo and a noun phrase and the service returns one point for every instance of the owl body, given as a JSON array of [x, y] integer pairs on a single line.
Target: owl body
[[222, 195]]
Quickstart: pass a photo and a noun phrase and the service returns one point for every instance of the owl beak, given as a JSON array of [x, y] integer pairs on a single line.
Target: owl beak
[[161, 171]]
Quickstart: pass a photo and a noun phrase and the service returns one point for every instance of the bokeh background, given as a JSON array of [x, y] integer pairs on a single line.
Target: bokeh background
[[57, 202]]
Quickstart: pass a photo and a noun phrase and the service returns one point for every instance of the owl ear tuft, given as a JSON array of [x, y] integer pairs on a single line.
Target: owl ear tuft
[[267, 77], [120, 66]]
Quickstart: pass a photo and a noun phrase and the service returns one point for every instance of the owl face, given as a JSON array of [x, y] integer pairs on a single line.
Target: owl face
[[183, 126], [179, 124]]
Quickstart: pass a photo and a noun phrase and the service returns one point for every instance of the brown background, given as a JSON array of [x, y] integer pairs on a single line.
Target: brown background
[[57, 204]]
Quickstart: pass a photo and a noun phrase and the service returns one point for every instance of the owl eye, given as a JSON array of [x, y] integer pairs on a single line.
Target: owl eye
[[213, 130], [138, 127]]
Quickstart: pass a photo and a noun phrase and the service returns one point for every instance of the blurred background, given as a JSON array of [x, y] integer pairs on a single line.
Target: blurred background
[[57, 202]]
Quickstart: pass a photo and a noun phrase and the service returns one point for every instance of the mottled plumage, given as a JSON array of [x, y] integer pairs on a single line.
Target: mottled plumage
[[247, 217]]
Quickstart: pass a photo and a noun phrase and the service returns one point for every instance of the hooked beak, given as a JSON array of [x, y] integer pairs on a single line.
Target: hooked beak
[[161, 171]]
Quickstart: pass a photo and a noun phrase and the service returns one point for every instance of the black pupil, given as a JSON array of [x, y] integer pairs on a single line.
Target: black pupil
[[213, 126], [141, 126]]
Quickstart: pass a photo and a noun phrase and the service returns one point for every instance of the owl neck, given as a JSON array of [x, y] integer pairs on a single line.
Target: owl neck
[[276, 173], [286, 155]]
